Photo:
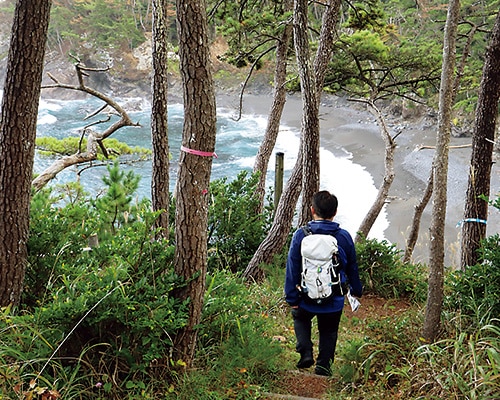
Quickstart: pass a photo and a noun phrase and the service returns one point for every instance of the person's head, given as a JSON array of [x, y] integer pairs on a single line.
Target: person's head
[[324, 204]]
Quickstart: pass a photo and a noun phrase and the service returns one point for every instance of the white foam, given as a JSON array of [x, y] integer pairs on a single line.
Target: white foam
[[355, 190], [46, 119]]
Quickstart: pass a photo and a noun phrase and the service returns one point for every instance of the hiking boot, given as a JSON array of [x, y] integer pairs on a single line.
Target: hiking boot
[[323, 371], [306, 361]]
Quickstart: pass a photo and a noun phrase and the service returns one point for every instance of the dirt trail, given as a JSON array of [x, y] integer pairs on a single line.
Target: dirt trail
[[303, 385]]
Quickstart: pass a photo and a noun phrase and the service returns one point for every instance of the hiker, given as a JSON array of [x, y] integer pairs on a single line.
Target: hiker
[[328, 310]]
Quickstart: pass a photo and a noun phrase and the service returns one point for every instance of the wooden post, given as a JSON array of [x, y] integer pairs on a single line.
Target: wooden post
[[278, 178]]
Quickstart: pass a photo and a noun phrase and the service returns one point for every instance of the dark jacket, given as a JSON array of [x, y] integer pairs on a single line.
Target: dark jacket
[[348, 258]]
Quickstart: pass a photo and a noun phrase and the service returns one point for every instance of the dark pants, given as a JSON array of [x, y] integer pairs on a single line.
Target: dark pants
[[328, 326]]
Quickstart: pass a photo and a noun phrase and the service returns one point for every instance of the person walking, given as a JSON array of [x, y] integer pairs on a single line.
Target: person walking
[[328, 312]]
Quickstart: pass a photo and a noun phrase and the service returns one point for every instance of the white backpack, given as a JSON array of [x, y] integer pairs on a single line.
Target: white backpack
[[320, 267]]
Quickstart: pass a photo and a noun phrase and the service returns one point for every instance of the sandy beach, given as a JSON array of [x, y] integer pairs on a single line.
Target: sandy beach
[[349, 126]]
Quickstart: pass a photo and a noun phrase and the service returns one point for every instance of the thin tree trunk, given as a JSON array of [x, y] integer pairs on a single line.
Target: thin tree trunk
[[160, 183], [417, 216], [17, 140], [280, 229], [312, 81], [419, 209], [440, 166], [325, 45], [310, 110], [279, 98], [195, 165], [476, 209], [383, 191]]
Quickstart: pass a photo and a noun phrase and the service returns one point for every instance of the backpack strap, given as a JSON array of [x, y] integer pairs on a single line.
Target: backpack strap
[[307, 230]]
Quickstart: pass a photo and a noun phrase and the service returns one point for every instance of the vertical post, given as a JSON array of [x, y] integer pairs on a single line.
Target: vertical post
[[278, 178]]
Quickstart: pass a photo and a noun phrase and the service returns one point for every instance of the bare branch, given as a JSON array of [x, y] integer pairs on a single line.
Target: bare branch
[[95, 139], [254, 64]]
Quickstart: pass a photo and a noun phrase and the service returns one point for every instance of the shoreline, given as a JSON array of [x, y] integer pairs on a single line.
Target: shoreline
[[345, 126]]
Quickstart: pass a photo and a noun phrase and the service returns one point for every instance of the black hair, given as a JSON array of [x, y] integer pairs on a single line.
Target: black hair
[[325, 204]]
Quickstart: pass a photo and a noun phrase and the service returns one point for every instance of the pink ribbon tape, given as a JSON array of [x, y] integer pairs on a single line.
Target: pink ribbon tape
[[198, 152]]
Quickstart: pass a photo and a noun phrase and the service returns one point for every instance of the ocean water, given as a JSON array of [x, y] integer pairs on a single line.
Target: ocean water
[[236, 146]]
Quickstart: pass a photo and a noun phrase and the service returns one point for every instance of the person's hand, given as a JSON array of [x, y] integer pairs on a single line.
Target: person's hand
[[294, 307]]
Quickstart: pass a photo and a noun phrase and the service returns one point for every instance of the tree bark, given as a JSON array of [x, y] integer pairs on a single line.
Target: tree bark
[[17, 140], [278, 233], [476, 209], [311, 102], [195, 165], [419, 209], [417, 216], [440, 167], [279, 98], [383, 190], [160, 184], [310, 110]]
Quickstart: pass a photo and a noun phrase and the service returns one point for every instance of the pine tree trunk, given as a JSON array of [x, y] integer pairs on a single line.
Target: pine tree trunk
[[17, 140], [277, 236], [193, 179], [476, 209], [440, 167], [160, 184], [310, 110], [279, 98], [311, 102]]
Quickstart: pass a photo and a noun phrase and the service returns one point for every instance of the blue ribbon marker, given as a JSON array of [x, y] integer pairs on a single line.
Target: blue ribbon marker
[[481, 221]]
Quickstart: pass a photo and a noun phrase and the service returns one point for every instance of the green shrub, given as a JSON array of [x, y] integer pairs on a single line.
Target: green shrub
[[114, 304], [235, 229], [115, 205], [105, 313], [57, 235], [476, 291], [383, 273]]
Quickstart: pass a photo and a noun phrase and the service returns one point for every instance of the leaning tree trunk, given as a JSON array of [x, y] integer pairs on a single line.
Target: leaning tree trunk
[[195, 165], [17, 140], [278, 233], [476, 208], [383, 191], [310, 110], [417, 216], [440, 166], [326, 43], [311, 100], [160, 182], [279, 98]]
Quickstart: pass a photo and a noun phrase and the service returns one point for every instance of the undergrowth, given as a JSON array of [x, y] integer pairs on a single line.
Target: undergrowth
[[97, 322]]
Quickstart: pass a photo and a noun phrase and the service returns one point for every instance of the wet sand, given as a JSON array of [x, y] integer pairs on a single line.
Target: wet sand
[[349, 126]]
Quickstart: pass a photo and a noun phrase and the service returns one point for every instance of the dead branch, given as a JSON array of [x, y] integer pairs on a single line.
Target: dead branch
[[94, 139], [461, 146]]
